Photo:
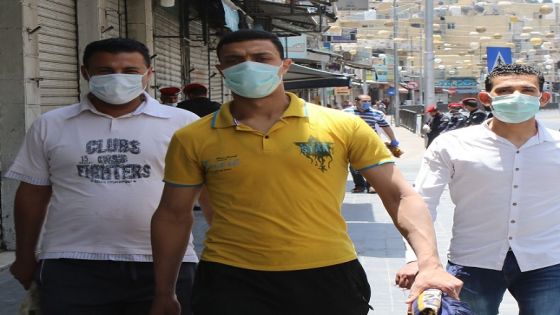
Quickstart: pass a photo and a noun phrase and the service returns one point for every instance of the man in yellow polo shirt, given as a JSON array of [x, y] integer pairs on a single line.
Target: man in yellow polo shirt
[[275, 168]]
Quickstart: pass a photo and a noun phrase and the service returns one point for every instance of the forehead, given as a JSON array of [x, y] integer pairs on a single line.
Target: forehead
[[107, 59], [249, 47], [514, 80]]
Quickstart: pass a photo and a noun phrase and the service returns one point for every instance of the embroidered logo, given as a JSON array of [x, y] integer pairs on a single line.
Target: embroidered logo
[[319, 153]]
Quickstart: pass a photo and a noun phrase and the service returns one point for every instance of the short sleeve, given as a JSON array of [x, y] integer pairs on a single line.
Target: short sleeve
[[181, 167], [31, 163], [366, 149]]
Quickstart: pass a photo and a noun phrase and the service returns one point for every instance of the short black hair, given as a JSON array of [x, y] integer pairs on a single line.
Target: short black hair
[[114, 46], [515, 69], [245, 35]]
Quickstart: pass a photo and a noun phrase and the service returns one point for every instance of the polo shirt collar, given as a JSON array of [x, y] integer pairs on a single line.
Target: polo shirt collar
[[223, 117], [149, 106]]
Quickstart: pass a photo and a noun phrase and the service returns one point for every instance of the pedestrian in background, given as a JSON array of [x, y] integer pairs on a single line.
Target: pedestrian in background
[[476, 115], [197, 100], [502, 178], [169, 95], [454, 119], [374, 118], [434, 125], [276, 168], [91, 176]]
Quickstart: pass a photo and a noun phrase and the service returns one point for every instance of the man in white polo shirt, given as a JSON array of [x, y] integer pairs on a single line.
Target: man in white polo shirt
[[97, 166], [502, 177]]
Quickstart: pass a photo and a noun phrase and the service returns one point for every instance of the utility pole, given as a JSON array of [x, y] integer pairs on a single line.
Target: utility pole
[[429, 85], [396, 104]]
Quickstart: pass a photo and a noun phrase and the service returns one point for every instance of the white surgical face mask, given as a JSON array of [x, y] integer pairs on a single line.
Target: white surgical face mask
[[117, 88]]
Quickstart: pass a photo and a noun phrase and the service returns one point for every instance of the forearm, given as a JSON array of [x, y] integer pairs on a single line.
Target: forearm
[[30, 208], [170, 236], [389, 132], [415, 224]]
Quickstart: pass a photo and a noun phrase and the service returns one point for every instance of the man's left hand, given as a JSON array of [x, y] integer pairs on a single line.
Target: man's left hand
[[436, 278]]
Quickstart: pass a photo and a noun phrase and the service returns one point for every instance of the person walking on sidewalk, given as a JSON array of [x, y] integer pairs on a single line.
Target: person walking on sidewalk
[[435, 124], [197, 100], [501, 176], [374, 118], [97, 166], [275, 168], [476, 115]]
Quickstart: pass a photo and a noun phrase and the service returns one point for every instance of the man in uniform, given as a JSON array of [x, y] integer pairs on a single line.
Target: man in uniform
[[476, 115], [275, 168], [454, 119], [169, 95], [434, 126], [197, 100]]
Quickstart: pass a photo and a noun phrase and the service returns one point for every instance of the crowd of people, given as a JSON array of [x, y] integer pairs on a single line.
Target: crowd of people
[[103, 212], [463, 114]]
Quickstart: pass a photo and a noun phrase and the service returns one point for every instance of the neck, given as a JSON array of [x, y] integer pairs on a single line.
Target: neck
[[269, 107], [517, 134], [115, 110]]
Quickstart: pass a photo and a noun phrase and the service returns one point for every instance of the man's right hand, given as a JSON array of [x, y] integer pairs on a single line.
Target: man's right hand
[[23, 270], [165, 305]]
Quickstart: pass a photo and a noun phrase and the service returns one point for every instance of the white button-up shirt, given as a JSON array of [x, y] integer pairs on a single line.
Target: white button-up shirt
[[505, 197]]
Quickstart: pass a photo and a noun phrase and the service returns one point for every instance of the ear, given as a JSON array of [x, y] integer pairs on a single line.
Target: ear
[[84, 72], [545, 98], [286, 63], [485, 98]]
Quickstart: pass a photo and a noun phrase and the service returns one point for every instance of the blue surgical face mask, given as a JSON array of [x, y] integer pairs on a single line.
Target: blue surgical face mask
[[117, 88], [252, 79], [515, 108], [366, 105]]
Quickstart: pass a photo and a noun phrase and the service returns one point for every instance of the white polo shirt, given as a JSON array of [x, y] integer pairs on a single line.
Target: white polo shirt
[[106, 176], [504, 196]]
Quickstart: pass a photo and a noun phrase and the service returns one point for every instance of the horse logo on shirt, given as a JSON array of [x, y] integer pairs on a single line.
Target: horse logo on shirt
[[319, 153]]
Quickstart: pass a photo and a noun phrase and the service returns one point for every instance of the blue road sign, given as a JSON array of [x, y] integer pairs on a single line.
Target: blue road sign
[[497, 56]]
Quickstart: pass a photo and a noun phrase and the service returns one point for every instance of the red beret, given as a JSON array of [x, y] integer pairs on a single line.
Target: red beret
[[455, 105], [192, 86], [470, 101], [170, 90], [431, 109]]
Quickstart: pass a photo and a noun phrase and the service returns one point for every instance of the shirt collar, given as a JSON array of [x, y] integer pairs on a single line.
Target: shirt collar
[[543, 135], [223, 117], [149, 106]]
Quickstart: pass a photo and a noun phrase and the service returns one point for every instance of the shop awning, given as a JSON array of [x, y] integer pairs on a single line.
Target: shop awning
[[301, 77]]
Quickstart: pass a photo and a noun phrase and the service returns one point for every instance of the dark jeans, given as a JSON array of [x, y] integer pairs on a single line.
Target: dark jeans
[[340, 289], [537, 292], [92, 287], [359, 180]]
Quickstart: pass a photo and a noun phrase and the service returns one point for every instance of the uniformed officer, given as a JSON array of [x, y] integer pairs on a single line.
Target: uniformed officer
[[476, 115], [434, 124], [170, 95], [454, 118]]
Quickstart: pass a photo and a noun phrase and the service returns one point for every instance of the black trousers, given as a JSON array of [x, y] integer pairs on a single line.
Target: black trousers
[[340, 289], [99, 287]]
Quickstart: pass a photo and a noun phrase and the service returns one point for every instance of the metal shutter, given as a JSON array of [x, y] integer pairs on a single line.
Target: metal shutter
[[58, 53], [216, 91], [167, 63], [198, 55], [115, 19]]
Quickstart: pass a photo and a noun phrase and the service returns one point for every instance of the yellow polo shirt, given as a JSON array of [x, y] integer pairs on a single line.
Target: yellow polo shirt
[[276, 196]]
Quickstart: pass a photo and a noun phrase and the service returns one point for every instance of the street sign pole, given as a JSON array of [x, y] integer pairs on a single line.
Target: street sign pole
[[397, 102]]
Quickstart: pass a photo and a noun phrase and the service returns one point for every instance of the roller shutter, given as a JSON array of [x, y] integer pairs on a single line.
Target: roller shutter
[[198, 55], [58, 53], [115, 19], [167, 48], [216, 85]]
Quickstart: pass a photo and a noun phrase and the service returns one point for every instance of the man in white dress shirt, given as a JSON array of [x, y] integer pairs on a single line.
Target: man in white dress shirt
[[502, 179]]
